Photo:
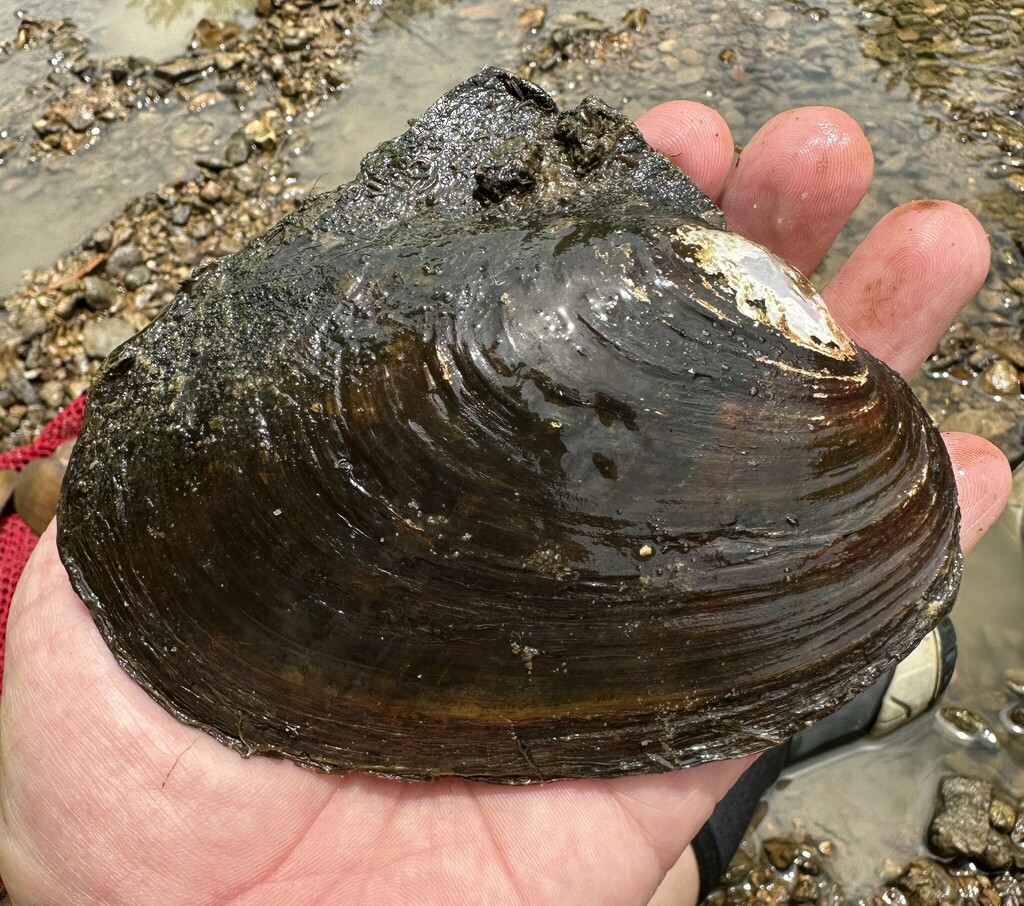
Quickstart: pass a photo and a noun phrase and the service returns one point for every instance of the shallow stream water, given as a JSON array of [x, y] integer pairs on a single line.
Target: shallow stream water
[[750, 60], [49, 206], [873, 800], [780, 57]]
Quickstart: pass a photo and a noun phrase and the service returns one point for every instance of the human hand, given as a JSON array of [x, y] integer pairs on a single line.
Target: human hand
[[105, 799]]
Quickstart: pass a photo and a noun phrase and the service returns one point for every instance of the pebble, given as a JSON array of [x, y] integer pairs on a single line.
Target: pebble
[[67, 305], [99, 294], [532, 18], [932, 78], [100, 239], [211, 34], [1002, 815], [636, 18], [229, 245], [52, 394], [227, 61], [247, 179], [966, 725], [22, 388], [100, 338], [182, 69], [211, 191], [8, 478], [79, 117], [1000, 379], [237, 150], [23, 325], [184, 248], [261, 131], [180, 214], [78, 386], [199, 228], [123, 259], [960, 826], [136, 277]]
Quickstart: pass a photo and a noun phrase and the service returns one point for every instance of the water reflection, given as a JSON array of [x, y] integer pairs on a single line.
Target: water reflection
[[161, 13]]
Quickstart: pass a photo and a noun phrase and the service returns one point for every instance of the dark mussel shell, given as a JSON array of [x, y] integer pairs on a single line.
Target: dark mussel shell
[[506, 461]]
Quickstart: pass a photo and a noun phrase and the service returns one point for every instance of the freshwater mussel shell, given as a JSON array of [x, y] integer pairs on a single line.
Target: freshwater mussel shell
[[497, 462]]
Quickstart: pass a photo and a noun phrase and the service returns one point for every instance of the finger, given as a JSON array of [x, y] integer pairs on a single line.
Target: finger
[[695, 138], [797, 182], [908, 279], [983, 482], [672, 807]]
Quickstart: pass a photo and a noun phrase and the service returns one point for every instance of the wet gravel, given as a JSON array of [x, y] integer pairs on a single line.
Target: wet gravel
[[967, 59], [962, 59], [58, 328], [976, 838]]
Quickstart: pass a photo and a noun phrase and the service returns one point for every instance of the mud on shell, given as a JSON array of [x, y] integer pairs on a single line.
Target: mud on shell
[[506, 461]]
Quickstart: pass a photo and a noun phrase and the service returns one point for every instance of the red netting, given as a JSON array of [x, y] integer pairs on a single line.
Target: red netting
[[16, 538]]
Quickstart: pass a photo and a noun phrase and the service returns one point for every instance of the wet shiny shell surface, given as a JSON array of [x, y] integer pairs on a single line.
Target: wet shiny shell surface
[[505, 461]]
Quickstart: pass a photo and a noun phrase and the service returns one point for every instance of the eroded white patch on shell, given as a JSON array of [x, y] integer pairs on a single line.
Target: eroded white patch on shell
[[767, 290]]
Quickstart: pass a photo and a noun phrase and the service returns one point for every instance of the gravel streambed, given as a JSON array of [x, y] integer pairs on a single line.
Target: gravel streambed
[[66, 318], [976, 838]]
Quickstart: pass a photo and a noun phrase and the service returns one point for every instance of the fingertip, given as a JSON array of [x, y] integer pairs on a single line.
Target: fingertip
[[983, 483], [941, 233], [798, 180], [695, 138], [909, 278], [957, 234]]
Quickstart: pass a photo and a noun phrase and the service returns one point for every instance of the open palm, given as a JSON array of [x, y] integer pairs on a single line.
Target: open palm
[[105, 799]]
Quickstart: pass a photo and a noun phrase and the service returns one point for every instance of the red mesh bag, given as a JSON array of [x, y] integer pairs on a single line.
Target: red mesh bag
[[16, 539]]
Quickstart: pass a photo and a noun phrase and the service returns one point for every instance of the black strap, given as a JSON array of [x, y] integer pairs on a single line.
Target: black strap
[[720, 837]]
